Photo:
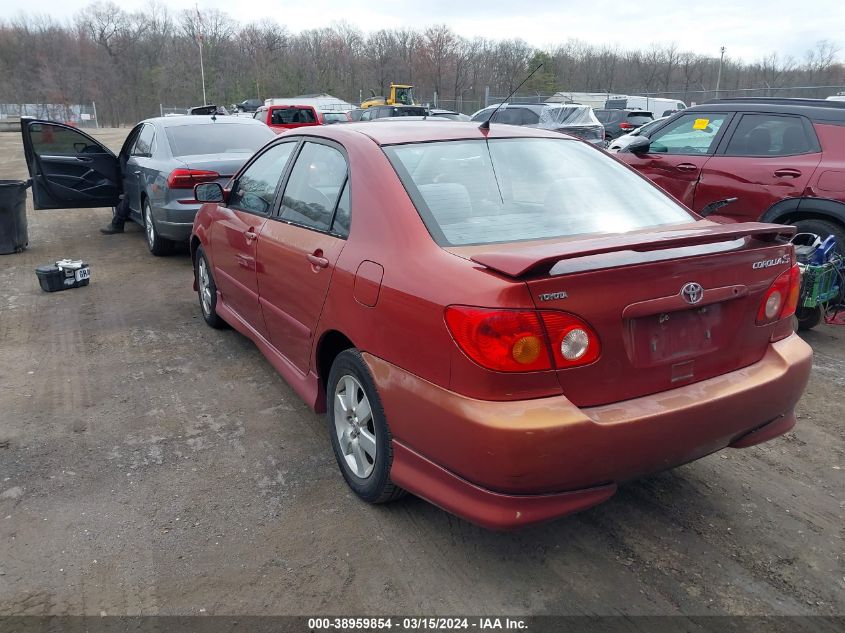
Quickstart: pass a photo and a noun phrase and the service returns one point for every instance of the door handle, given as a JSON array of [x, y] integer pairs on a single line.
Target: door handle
[[686, 167], [250, 235], [138, 173], [317, 260], [787, 173]]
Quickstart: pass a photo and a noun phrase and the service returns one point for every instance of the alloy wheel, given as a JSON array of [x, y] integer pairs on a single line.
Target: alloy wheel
[[148, 225], [204, 285], [355, 427]]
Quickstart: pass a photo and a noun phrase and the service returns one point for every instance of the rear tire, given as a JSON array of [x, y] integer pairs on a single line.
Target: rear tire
[[360, 436], [157, 244], [808, 318]]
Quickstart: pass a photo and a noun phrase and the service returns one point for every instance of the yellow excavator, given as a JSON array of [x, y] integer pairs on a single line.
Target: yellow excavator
[[400, 94]]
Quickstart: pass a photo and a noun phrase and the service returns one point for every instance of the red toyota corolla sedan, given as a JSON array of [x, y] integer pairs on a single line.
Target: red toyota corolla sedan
[[505, 322]]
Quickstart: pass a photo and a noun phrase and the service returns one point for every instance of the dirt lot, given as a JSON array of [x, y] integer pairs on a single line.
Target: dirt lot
[[151, 465]]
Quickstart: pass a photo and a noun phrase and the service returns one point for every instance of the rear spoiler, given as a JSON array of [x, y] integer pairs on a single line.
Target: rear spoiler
[[531, 259]]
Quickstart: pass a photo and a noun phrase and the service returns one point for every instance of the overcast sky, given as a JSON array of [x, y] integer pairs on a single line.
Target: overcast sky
[[748, 29]]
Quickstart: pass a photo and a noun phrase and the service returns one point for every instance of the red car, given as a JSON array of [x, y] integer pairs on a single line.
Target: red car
[[505, 322], [782, 159]]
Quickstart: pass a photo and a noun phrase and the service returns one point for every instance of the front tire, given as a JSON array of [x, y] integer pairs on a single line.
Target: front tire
[[823, 228], [359, 432], [156, 243], [207, 290]]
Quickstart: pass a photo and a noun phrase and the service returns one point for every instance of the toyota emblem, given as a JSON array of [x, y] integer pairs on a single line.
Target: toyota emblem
[[692, 292]]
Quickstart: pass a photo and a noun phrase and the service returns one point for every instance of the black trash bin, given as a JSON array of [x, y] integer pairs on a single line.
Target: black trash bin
[[13, 234]]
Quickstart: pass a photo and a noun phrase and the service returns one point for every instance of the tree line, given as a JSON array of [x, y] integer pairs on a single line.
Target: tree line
[[130, 62]]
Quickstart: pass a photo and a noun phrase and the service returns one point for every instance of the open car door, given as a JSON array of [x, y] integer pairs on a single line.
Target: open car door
[[68, 168]]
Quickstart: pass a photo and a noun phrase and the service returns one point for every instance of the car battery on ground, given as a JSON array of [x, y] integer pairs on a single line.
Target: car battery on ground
[[64, 274]]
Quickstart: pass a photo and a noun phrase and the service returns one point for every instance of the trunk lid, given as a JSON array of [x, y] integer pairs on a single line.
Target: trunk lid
[[629, 288], [226, 165]]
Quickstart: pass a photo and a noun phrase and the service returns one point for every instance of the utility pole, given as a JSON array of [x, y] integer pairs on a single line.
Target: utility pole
[[719, 76], [202, 68]]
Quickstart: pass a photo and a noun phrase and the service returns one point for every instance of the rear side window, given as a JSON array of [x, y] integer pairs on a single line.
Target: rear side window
[[288, 116], [314, 186], [256, 186], [690, 134], [771, 135], [510, 190], [144, 144]]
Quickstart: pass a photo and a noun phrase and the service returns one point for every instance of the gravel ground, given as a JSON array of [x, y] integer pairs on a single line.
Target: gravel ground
[[151, 465]]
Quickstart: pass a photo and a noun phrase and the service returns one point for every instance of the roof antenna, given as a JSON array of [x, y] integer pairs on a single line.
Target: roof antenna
[[486, 124]]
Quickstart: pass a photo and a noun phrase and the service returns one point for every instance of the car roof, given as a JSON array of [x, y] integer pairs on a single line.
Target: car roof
[[201, 119], [421, 131], [816, 109]]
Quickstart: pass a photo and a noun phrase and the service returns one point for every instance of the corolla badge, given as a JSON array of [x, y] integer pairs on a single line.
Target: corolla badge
[[551, 296], [692, 292], [766, 263]]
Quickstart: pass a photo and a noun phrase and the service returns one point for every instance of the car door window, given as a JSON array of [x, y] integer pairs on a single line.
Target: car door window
[[314, 186], [144, 144], [63, 141], [689, 134], [771, 135], [342, 217], [256, 187]]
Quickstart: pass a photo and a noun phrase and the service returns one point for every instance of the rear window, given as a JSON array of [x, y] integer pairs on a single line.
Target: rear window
[[217, 138], [289, 116], [640, 118], [510, 190]]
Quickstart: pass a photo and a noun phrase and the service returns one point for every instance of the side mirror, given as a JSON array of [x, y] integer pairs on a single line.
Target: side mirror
[[638, 145], [209, 192]]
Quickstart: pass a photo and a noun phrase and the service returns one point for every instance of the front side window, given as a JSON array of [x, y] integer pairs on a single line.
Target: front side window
[[314, 186], [510, 190], [54, 139], [256, 187], [690, 134], [770, 135]]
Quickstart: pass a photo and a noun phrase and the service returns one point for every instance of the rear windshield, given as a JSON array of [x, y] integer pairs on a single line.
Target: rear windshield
[[510, 190], [640, 118], [217, 138], [289, 116]]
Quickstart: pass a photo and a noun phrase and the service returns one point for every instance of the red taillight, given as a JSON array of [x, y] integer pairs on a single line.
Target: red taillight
[[502, 340], [781, 299], [626, 126], [573, 342], [522, 340], [187, 178]]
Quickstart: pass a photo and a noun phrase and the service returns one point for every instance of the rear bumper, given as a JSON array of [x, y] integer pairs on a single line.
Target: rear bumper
[[508, 464], [175, 220]]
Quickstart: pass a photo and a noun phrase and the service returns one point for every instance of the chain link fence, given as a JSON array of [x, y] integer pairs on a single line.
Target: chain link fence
[[80, 115]]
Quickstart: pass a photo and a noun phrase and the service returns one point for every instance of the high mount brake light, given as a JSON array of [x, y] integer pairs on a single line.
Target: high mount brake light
[[781, 299], [522, 340], [187, 178]]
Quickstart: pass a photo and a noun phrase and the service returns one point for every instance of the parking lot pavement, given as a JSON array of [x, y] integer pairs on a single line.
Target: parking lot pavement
[[152, 465]]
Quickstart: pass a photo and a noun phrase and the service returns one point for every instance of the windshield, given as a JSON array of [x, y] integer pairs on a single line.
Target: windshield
[[509, 190], [217, 138]]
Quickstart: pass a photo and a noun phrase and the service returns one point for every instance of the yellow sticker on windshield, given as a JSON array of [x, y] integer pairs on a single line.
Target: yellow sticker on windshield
[[701, 124]]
